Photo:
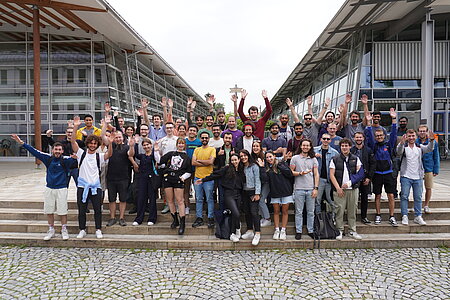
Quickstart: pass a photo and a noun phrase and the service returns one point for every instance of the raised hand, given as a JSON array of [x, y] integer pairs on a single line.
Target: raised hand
[[131, 142], [341, 108], [189, 101], [287, 156], [49, 133], [327, 102], [163, 101], [211, 100], [430, 134], [170, 103], [392, 113], [309, 100], [76, 121], [107, 119], [107, 107], [404, 138], [364, 99], [348, 99], [194, 103], [264, 94], [260, 162], [69, 123], [288, 102], [244, 93], [369, 117], [17, 139], [234, 98], [144, 102]]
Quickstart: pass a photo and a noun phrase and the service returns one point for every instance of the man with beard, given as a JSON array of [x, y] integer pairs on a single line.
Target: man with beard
[[220, 119], [192, 143], [246, 141], [285, 129], [203, 160], [55, 195], [312, 125], [365, 154], [236, 133], [402, 126], [67, 146], [274, 142], [335, 139], [294, 143], [89, 189], [158, 130], [209, 123], [84, 132], [222, 159], [216, 141], [355, 124], [259, 124], [431, 164]]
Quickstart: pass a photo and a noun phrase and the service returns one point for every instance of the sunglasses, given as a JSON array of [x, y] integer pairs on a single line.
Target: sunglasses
[[307, 119], [379, 135], [204, 138], [326, 139]]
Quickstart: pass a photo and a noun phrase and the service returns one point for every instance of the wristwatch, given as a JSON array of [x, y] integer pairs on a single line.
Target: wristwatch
[[316, 188]]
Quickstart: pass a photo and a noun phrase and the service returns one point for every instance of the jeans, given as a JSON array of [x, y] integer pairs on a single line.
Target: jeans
[[202, 189], [417, 186], [263, 210], [250, 209], [300, 198], [324, 186]]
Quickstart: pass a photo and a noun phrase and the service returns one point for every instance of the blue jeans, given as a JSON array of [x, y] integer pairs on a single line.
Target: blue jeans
[[417, 186], [324, 187], [205, 188], [263, 210], [300, 198]]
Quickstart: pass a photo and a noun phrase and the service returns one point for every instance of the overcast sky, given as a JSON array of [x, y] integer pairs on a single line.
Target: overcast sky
[[215, 44]]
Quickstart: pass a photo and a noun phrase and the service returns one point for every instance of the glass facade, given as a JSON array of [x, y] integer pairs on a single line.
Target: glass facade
[[78, 75]]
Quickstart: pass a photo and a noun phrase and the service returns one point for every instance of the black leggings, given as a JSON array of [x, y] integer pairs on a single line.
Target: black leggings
[[363, 193], [232, 198], [82, 207], [251, 209]]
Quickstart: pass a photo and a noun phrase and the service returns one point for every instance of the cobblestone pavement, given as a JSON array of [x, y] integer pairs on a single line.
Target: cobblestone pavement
[[302, 274]]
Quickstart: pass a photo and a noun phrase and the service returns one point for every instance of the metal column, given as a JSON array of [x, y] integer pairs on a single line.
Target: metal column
[[37, 80], [426, 113]]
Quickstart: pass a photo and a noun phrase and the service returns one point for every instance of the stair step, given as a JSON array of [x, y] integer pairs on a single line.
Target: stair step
[[209, 242]]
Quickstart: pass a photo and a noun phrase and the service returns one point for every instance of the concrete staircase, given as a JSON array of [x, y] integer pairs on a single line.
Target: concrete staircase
[[22, 222]]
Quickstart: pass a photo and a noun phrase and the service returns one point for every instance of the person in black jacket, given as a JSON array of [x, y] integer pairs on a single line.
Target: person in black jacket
[[365, 154], [222, 158], [232, 183], [177, 168], [281, 189]]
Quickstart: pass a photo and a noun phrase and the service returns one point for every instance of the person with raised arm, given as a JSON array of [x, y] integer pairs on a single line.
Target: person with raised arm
[[253, 112], [355, 125], [57, 178], [274, 142], [383, 151], [231, 128], [88, 129], [311, 126], [89, 188], [157, 130]]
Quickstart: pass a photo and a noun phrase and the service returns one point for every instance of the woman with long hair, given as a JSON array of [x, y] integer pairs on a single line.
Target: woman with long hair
[[232, 176], [250, 197], [176, 169], [181, 131], [280, 181], [146, 194], [258, 156]]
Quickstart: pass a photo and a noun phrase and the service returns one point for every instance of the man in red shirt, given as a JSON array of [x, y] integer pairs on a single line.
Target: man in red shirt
[[254, 113]]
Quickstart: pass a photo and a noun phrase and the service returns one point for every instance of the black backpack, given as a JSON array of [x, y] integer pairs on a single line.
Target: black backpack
[[223, 224], [324, 227]]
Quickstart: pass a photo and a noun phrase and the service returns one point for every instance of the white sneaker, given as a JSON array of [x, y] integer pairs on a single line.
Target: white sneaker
[[150, 223], [265, 223], [234, 238], [99, 234], [276, 234], [50, 234], [135, 223], [426, 210], [405, 220], [419, 220], [65, 234], [248, 235], [339, 237], [238, 233], [82, 234], [355, 235], [282, 235], [256, 239], [186, 210]]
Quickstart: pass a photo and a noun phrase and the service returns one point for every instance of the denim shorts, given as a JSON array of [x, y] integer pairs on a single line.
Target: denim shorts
[[282, 200]]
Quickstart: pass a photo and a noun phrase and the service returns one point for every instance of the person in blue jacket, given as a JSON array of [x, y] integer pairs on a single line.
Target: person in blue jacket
[[55, 194], [383, 151], [431, 164]]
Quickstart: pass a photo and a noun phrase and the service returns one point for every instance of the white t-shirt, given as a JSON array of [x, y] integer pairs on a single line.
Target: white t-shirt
[[168, 144], [215, 143], [346, 176], [247, 144], [413, 159], [89, 169]]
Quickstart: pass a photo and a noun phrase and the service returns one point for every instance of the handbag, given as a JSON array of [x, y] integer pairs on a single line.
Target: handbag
[[155, 179]]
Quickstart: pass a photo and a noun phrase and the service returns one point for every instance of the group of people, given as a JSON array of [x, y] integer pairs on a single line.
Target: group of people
[[324, 158]]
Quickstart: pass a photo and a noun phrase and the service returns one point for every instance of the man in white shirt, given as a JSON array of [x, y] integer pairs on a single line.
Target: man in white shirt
[[411, 173], [216, 141], [89, 188], [169, 142], [346, 173]]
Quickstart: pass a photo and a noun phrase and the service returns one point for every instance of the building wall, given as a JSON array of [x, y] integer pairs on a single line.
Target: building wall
[[78, 75]]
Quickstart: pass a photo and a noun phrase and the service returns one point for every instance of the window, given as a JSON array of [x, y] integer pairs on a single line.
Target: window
[[69, 75], [3, 77], [98, 75], [82, 75], [55, 78], [22, 77]]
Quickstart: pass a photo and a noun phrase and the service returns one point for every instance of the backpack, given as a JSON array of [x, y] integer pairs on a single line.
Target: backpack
[[223, 224], [97, 156], [324, 227]]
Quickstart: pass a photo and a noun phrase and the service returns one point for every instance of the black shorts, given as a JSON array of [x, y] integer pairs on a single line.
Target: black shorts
[[117, 187], [383, 179], [172, 182]]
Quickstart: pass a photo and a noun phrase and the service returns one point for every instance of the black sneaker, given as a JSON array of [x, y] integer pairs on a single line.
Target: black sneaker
[[298, 236], [198, 222], [111, 222], [311, 235], [122, 222], [210, 223], [365, 221]]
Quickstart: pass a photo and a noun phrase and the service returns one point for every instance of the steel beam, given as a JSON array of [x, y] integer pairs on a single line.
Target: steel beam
[[426, 112], [37, 80]]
